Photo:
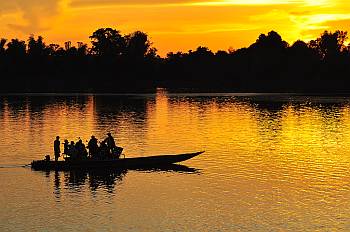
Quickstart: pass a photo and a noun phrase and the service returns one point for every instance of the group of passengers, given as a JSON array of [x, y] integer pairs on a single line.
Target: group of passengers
[[78, 151]]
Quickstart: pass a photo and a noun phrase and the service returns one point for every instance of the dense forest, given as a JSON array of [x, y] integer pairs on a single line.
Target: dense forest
[[128, 63]]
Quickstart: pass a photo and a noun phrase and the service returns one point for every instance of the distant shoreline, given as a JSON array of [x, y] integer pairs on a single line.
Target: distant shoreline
[[181, 93], [120, 64]]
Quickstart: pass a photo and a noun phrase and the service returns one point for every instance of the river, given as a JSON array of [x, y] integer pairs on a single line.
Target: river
[[271, 163]]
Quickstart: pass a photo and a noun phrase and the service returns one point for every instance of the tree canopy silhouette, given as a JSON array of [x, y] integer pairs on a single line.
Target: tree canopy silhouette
[[36, 48], [137, 44], [107, 42], [16, 48], [127, 63], [329, 44], [2, 45]]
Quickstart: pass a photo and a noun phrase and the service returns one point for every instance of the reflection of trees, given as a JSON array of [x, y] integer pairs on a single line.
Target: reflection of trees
[[43, 117], [267, 112], [120, 110], [273, 113], [36, 105]]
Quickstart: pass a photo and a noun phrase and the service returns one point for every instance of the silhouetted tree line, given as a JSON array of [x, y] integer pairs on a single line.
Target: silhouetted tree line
[[124, 63]]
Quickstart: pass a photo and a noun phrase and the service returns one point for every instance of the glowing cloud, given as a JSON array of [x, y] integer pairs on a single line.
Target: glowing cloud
[[29, 13], [175, 24]]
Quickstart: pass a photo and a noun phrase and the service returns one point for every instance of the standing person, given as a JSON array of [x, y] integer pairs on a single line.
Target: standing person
[[56, 148], [110, 142]]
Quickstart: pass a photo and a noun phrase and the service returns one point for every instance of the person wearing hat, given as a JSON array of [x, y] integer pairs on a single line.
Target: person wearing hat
[[56, 148]]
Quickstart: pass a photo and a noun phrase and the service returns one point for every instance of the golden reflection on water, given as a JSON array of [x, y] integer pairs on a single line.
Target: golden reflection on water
[[271, 162], [224, 125]]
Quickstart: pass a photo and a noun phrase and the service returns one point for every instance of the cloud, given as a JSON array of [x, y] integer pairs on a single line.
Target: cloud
[[341, 24], [331, 25], [33, 13], [94, 3], [300, 13], [104, 3]]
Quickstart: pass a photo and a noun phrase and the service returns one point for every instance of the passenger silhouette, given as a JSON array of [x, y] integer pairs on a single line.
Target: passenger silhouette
[[103, 150], [110, 142], [73, 154], [80, 149], [56, 147], [93, 147], [66, 147]]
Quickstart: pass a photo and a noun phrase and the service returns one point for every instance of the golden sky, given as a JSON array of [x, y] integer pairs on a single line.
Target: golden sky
[[174, 25]]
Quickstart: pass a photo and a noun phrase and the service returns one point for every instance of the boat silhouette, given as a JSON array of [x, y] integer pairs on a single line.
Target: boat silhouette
[[147, 162]]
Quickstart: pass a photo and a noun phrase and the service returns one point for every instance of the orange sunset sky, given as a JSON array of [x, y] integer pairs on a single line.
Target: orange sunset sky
[[174, 25]]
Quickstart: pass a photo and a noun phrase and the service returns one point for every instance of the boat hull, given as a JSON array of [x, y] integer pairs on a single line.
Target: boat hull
[[126, 163]]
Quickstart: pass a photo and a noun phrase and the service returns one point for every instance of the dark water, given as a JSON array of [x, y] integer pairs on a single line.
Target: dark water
[[272, 163]]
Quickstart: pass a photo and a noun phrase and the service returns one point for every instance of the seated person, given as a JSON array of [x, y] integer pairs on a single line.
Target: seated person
[[93, 147], [72, 152], [81, 150], [103, 150]]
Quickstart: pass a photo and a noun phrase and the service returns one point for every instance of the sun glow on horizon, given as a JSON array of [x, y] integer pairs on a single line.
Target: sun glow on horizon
[[175, 25]]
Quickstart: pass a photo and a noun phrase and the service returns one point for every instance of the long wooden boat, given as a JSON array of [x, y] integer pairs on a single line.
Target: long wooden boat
[[123, 163]]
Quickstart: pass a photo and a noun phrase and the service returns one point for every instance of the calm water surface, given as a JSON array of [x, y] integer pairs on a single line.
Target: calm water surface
[[272, 163]]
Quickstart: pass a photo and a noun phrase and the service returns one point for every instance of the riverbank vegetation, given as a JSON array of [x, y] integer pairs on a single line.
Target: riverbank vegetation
[[129, 63]]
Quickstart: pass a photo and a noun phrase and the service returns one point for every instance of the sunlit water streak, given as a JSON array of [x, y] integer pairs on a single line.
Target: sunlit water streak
[[272, 162]]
